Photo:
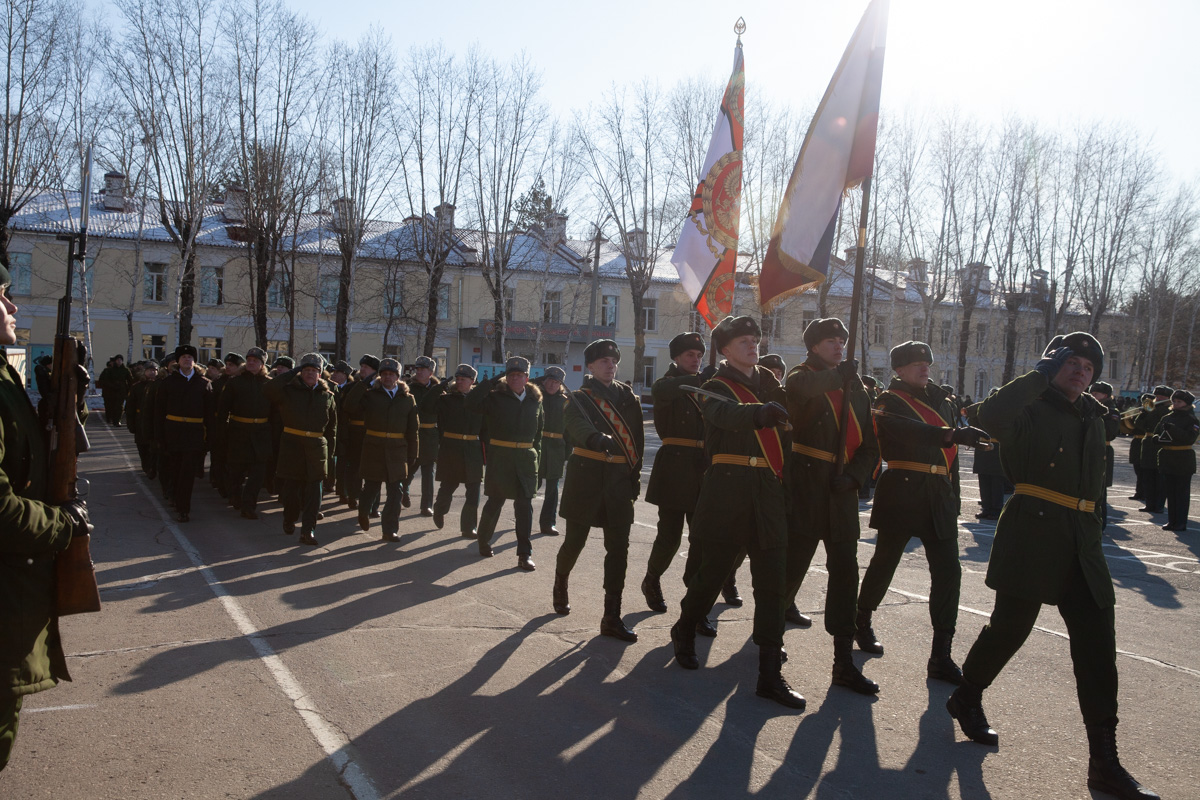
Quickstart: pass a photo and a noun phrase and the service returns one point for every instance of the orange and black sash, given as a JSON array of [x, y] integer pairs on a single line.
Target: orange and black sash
[[854, 435], [618, 425], [768, 438], [929, 415]]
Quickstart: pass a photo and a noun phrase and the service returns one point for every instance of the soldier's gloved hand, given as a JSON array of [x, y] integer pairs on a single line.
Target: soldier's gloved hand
[[968, 436], [1052, 362], [77, 512], [769, 415], [601, 443], [707, 373], [848, 369], [843, 483], [637, 487]]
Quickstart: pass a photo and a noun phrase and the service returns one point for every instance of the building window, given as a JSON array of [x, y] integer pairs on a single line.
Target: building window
[[768, 326], [946, 329], [275, 348], [443, 307], [77, 285], [696, 321], [328, 350], [649, 314], [154, 282], [154, 346], [880, 332], [807, 317], [20, 269], [393, 299], [552, 307], [208, 347], [212, 286], [608, 310], [649, 370], [328, 293], [982, 386], [278, 292], [980, 335], [510, 301], [918, 329], [552, 358]]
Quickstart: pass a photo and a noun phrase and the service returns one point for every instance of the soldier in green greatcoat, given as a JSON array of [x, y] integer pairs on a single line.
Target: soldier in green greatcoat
[[554, 446], [989, 472], [340, 380], [136, 410], [603, 480], [743, 503], [918, 495], [32, 533], [244, 412], [282, 366], [678, 466], [825, 500], [1103, 392], [1047, 548], [218, 474], [350, 443], [425, 390], [512, 414], [1176, 434], [460, 453], [114, 384], [390, 445], [1146, 424], [183, 415]]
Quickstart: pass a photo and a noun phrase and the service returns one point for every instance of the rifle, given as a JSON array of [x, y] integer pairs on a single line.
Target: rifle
[[76, 587]]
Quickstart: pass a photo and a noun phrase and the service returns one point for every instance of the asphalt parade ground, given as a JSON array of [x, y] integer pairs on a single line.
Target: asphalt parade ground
[[231, 662]]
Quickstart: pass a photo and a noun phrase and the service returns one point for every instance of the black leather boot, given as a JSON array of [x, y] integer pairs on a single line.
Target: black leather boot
[[562, 603], [793, 615], [941, 665], [865, 634], [610, 623], [730, 593], [652, 590], [1105, 773], [771, 683], [683, 639], [966, 706], [845, 672]]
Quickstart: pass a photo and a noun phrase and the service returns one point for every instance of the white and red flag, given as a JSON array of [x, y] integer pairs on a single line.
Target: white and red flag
[[706, 255], [837, 155]]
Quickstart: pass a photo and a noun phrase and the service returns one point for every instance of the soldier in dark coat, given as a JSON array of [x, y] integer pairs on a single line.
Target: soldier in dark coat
[[309, 435], [1176, 433], [184, 412], [604, 422], [282, 366], [678, 466], [918, 495], [138, 412], [244, 413], [824, 500], [340, 381], [513, 416], [218, 475], [32, 533], [390, 445], [554, 446], [114, 384], [41, 375], [1047, 548], [460, 453], [743, 503], [1103, 392], [351, 440], [1146, 424], [425, 389], [988, 470]]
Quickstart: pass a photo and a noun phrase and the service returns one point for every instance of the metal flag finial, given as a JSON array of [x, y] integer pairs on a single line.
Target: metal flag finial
[[739, 28]]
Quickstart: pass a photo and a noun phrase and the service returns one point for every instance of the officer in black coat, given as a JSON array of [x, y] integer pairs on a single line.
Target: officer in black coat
[[1176, 434], [184, 411], [1103, 392]]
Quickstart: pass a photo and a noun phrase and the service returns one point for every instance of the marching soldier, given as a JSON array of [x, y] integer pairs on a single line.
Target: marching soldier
[[825, 502], [1146, 424], [217, 474], [282, 366], [743, 505], [1135, 447], [1175, 434], [425, 389], [918, 495], [41, 374], [309, 435], [513, 416], [988, 471], [678, 467], [32, 533], [603, 479], [460, 454], [244, 413], [554, 446], [1103, 392], [149, 423], [776, 364], [114, 384], [136, 412], [184, 410], [353, 429], [340, 381], [1048, 548], [390, 445]]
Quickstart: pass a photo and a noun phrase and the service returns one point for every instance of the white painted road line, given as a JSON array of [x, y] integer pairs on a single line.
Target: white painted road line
[[77, 707], [336, 746]]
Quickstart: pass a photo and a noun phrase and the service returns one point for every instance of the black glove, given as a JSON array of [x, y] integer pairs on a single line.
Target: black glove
[[707, 373], [769, 415], [843, 483], [968, 436], [1052, 362], [601, 443], [848, 369], [77, 512]]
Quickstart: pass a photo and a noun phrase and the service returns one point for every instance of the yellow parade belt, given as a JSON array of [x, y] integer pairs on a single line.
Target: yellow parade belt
[[248, 420], [683, 442], [549, 435], [428, 424], [1058, 498], [193, 420], [740, 461], [1140, 435], [607, 458], [1175, 447], [465, 437], [384, 434], [306, 434], [517, 445], [360, 422], [805, 450], [917, 466]]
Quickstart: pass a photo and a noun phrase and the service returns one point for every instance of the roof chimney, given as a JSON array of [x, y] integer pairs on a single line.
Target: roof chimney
[[636, 242], [235, 203], [443, 216], [556, 229], [114, 191], [343, 214]]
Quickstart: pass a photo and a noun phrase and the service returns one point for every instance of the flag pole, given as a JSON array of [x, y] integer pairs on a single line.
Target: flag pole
[[855, 307]]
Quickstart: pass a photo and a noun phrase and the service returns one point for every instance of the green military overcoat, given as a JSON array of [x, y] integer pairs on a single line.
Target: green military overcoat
[[426, 398], [511, 471], [114, 383], [245, 396], [678, 469], [187, 399], [599, 493], [1146, 423], [554, 448], [459, 460], [304, 458], [1048, 442], [388, 458], [1180, 429]]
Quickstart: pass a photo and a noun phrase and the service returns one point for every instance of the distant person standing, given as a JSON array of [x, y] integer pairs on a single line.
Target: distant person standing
[[184, 410], [554, 447], [114, 384], [1146, 424], [308, 419], [1176, 434]]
